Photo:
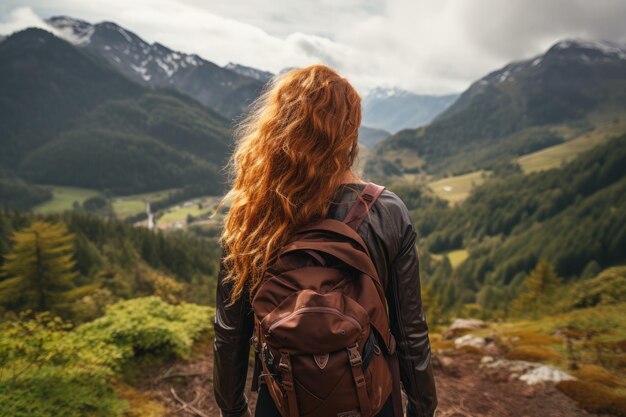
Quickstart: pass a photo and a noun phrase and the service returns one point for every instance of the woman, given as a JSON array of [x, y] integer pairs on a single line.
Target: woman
[[293, 165]]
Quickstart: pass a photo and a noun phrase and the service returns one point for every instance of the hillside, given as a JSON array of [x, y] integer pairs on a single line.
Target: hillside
[[521, 108], [227, 90], [573, 217], [117, 261], [63, 111], [370, 136]]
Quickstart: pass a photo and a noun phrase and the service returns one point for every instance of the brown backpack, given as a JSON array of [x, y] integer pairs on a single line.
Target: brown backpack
[[322, 337]]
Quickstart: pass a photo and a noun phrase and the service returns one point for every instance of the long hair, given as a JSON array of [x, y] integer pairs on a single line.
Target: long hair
[[292, 150]]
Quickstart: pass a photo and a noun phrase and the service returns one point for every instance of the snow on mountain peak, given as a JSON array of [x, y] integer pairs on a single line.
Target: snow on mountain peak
[[606, 48], [123, 46], [75, 31], [380, 93], [255, 73]]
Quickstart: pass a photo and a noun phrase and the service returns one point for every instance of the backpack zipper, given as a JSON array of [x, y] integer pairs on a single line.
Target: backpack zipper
[[317, 309]]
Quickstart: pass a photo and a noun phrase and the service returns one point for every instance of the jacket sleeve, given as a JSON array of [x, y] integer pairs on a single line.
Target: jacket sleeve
[[408, 324], [233, 328]]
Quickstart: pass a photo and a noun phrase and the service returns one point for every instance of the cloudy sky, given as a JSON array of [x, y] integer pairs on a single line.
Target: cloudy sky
[[426, 46]]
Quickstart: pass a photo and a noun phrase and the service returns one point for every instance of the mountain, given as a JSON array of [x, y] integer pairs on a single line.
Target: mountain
[[257, 74], [520, 108], [394, 109], [64, 111], [370, 136], [227, 90]]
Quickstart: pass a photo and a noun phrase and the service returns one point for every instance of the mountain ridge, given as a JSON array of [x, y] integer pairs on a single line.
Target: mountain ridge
[[64, 111], [220, 88], [565, 86], [394, 109]]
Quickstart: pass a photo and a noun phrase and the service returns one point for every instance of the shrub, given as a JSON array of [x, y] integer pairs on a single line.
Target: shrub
[[150, 325], [533, 354], [594, 398], [46, 370], [600, 375], [607, 288]]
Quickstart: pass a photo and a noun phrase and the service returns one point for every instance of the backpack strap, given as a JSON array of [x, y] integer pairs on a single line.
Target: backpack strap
[[365, 200], [284, 366], [359, 380]]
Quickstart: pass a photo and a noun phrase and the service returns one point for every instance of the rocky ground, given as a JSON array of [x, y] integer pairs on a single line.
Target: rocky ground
[[469, 384]]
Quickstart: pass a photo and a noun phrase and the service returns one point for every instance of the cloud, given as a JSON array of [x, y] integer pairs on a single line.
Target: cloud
[[21, 18], [427, 46]]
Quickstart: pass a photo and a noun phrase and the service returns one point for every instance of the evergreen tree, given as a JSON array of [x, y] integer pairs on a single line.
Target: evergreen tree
[[432, 305], [537, 296], [39, 271]]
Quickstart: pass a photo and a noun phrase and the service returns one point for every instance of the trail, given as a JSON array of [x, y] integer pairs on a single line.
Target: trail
[[464, 390]]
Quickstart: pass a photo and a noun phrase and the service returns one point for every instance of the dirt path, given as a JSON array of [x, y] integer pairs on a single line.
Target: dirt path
[[464, 389]]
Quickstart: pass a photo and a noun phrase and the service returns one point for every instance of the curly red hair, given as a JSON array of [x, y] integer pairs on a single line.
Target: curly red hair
[[292, 152]]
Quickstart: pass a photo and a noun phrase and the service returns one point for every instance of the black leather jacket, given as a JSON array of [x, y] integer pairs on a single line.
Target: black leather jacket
[[390, 236]]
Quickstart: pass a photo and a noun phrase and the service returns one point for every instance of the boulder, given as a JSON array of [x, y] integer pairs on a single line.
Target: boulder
[[530, 372], [469, 340], [467, 324], [545, 373], [461, 326]]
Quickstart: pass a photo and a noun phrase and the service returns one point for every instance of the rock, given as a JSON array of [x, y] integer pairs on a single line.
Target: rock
[[515, 367], [468, 324], [530, 372], [545, 373], [486, 359], [469, 340], [461, 326]]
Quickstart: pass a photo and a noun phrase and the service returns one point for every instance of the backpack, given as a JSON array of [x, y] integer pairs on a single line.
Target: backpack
[[322, 339]]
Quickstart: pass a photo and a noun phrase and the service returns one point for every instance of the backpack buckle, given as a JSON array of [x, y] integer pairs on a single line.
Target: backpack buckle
[[285, 363], [354, 355]]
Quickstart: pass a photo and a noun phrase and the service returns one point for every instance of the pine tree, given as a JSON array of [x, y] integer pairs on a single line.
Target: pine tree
[[539, 291], [432, 305], [39, 271]]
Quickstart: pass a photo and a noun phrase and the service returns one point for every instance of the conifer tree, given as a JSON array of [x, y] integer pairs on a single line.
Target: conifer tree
[[39, 271], [538, 293]]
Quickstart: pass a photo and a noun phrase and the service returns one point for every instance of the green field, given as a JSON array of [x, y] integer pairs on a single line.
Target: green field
[[63, 198], [130, 205], [180, 213], [125, 208], [456, 257], [456, 189], [556, 156]]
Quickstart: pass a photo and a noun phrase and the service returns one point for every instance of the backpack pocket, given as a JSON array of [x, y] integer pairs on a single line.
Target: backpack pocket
[[307, 322]]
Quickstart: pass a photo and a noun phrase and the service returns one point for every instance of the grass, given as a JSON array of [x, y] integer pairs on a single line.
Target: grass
[[456, 189], [595, 398], [63, 198], [180, 213], [407, 158], [558, 155], [125, 208], [140, 404], [456, 257], [130, 205], [533, 354], [151, 196], [596, 337]]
